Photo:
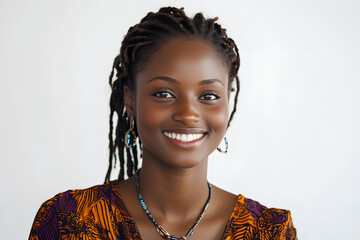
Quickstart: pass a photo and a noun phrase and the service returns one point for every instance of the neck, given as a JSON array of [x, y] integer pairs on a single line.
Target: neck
[[171, 192]]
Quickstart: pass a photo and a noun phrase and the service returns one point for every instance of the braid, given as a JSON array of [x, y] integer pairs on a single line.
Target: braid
[[143, 39]]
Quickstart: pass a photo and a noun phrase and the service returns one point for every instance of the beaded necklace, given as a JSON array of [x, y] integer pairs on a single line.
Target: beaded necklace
[[160, 229]]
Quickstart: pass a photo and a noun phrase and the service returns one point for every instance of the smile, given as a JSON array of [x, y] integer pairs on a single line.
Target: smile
[[184, 137]]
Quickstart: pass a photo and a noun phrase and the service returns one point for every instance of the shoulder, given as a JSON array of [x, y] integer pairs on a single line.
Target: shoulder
[[250, 218], [78, 200], [68, 211]]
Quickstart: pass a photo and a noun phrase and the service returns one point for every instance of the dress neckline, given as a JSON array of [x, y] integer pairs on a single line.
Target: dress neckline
[[228, 225]]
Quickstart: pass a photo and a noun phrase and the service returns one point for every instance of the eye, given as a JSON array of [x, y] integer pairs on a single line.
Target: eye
[[209, 96], [163, 94]]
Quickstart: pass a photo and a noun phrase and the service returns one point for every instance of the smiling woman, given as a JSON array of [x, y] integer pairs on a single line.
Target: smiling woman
[[172, 88], [187, 94]]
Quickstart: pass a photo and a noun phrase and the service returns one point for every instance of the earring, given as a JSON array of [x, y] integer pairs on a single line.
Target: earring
[[226, 146], [130, 135]]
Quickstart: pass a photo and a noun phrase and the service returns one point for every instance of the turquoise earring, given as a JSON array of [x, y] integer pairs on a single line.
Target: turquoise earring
[[226, 146], [130, 135]]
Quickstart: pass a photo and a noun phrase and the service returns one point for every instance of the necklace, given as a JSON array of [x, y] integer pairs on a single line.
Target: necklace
[[160, 229]]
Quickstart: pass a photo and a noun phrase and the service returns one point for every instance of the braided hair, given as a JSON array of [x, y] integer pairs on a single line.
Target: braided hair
[[143, 39]]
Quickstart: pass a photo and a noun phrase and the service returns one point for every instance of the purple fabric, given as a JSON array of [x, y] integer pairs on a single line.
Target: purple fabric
[[66, 203], [106, 192], [277, 219], [49, 228], [254, 208]]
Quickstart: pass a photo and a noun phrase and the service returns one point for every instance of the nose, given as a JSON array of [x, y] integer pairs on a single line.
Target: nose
[[186, 112]]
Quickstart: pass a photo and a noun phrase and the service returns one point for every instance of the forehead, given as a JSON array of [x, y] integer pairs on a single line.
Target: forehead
[[184, 58]]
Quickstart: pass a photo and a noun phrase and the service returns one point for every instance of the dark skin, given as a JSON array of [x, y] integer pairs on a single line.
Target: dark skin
[[183, 89]]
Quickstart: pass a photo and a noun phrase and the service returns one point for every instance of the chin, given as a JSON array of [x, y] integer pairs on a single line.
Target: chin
[[185, 161]]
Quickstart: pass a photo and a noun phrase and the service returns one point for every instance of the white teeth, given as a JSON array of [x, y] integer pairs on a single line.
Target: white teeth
[[190, 137], [183, 137]]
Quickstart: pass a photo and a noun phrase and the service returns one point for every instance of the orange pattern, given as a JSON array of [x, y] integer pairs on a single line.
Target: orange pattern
[[99, 213]]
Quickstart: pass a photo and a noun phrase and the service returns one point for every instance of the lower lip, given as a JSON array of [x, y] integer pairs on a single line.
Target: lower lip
[[190, 144]]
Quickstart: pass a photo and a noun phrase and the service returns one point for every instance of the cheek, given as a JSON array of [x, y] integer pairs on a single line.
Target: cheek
[[217, 117], [149, 116]]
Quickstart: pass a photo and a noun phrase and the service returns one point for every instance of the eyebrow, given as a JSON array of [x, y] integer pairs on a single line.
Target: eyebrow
[[173, 80]]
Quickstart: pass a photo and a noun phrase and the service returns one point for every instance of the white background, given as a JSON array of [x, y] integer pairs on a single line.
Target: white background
[[294, 143]]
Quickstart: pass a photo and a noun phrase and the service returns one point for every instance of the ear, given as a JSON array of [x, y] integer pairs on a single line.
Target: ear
[[129, 99]]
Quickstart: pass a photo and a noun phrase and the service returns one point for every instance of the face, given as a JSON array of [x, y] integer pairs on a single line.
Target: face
[[180, 103]]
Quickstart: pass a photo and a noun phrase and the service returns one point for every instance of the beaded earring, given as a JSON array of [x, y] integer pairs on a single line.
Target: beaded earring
[[226, 146], [130, 135]]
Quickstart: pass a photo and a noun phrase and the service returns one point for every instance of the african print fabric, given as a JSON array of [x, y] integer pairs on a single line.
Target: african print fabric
[[99, 213]]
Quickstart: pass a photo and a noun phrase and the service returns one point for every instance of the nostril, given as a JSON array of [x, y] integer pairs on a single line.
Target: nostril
[[187, 119]]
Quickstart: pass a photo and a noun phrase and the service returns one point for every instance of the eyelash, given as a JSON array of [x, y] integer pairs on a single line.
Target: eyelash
[[170, 95], [159, 92], [209, 94]]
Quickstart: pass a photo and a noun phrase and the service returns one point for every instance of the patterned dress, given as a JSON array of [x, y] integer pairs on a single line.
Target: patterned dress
[[100, 213]]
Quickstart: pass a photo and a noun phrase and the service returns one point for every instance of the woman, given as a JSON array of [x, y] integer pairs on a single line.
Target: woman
[[171, 94]]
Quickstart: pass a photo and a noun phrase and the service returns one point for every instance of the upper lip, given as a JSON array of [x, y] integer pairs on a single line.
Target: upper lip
[[186, 130]]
